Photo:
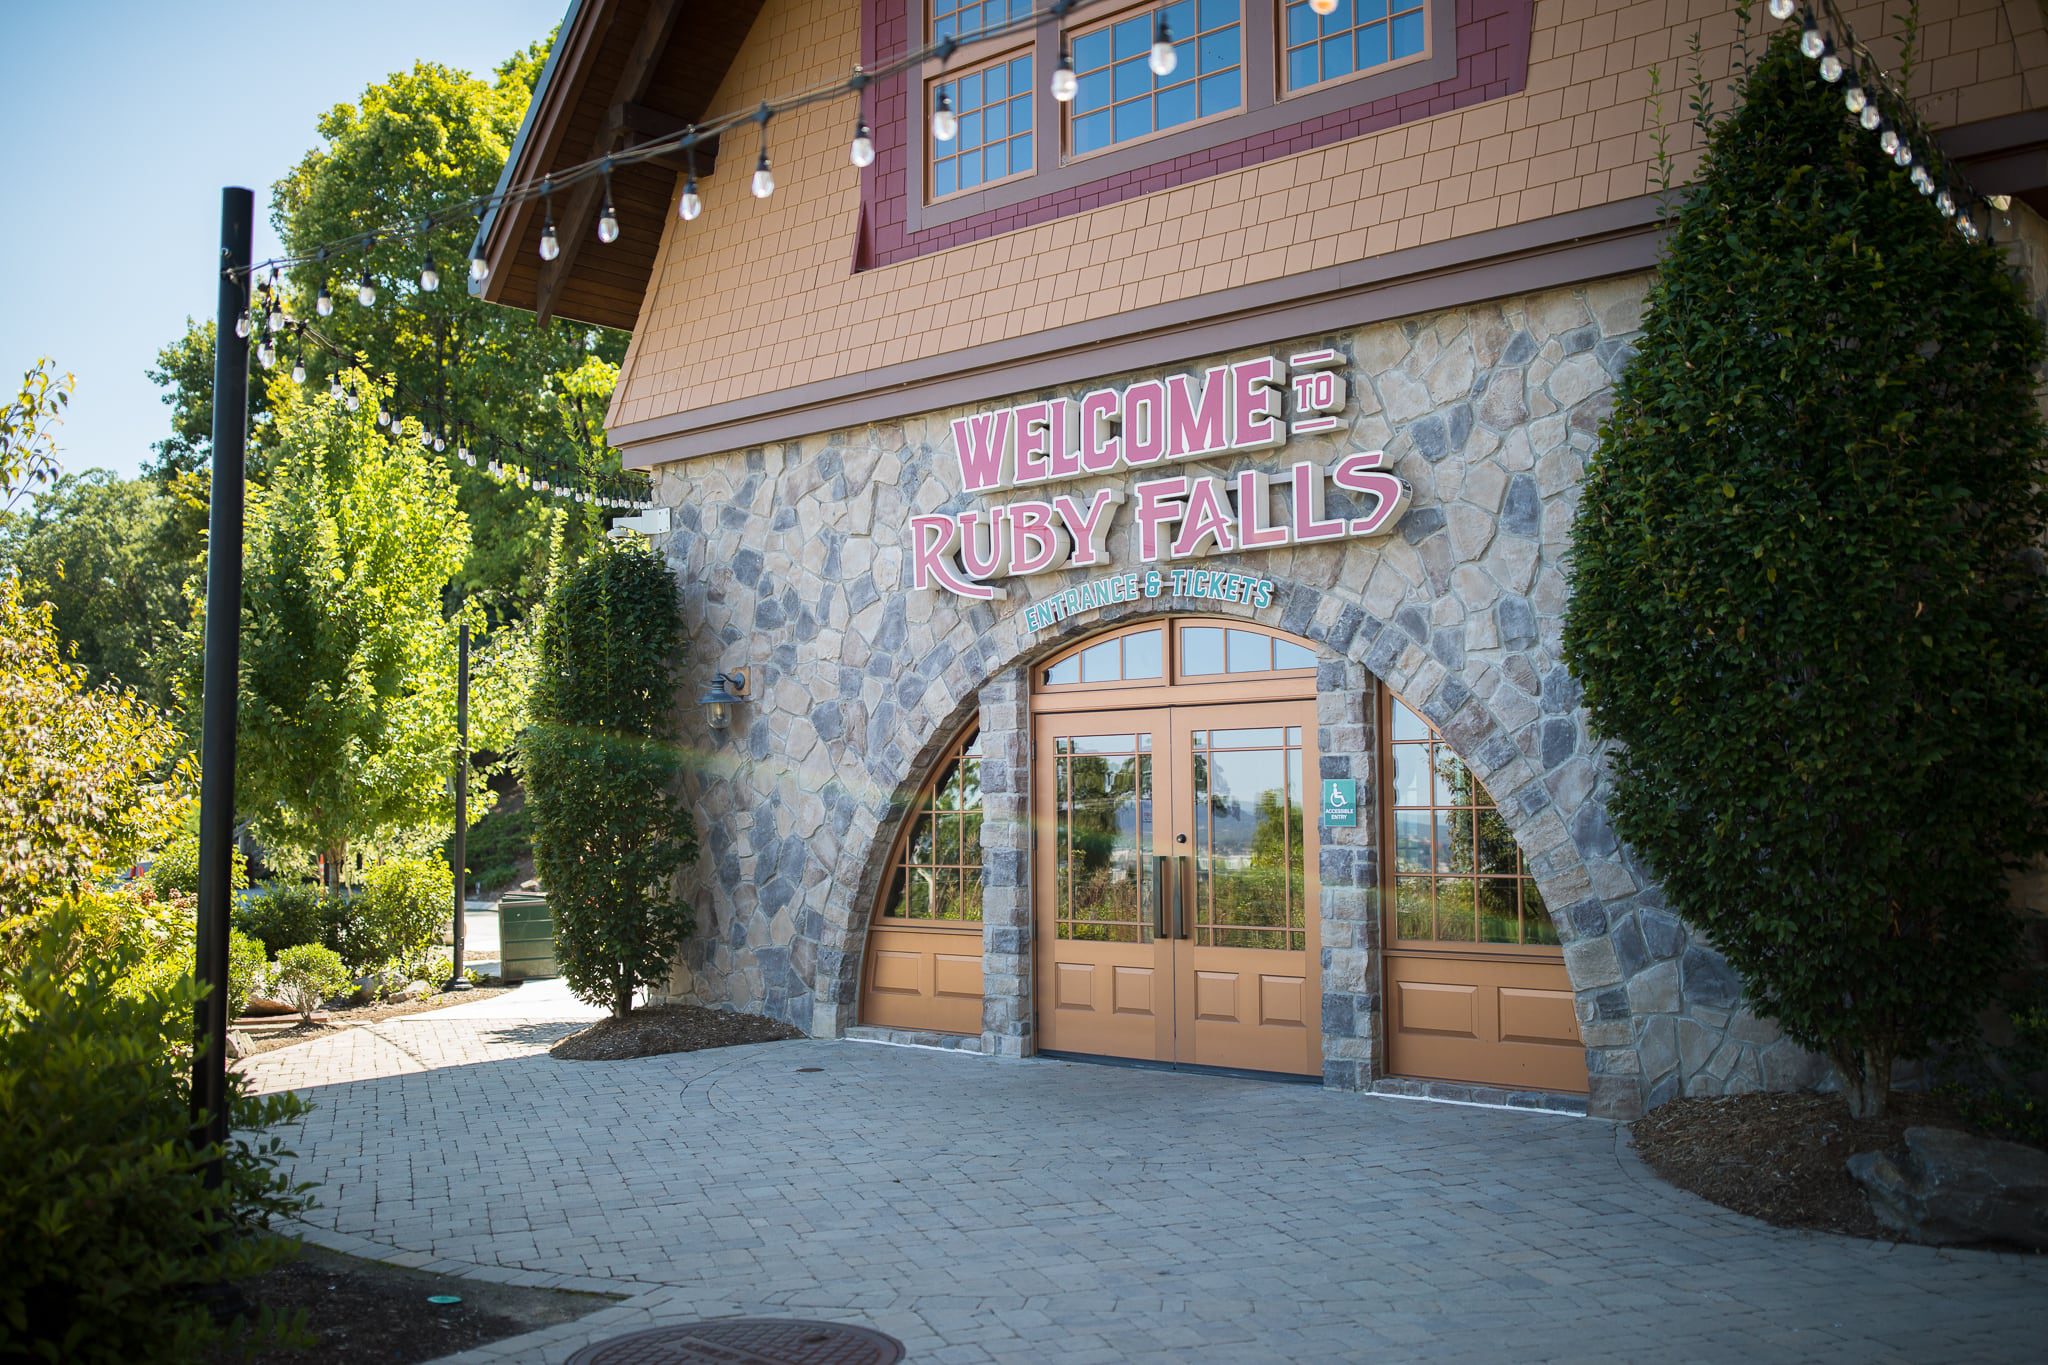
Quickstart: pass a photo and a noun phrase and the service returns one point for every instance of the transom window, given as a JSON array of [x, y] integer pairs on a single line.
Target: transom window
[[965, 19], [1459, 877], [1120, 100], [1357, 36], [937, 877], [993, 105], [1184, 651]]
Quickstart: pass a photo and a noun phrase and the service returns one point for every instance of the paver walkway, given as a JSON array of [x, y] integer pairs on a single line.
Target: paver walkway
[[984, 1210]]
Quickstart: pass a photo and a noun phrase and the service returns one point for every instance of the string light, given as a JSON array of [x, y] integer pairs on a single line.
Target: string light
[[1810, 41], [862, 152], [1065, 84], [1164, 58], [1781, 10], [276, 320], [550, 245], [242, 325], [350, 398], [266, 354], [608, 220], [945, 123], [764, 179], [366, 288], [430, 274], [1853, 98], [690, 205], [324, 304], [479, 269], [1830, 65], [1328, 7]]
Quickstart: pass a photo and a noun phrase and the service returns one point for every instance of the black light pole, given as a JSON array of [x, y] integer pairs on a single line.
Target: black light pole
[[458, 848], [223, 662]]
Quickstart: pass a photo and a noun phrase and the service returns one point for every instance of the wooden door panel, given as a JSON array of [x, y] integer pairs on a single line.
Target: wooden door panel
[[1489, 1022], [923, 979]]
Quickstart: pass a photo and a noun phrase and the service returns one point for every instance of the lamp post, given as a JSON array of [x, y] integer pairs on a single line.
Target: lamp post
[[458, 847], [219, 700]]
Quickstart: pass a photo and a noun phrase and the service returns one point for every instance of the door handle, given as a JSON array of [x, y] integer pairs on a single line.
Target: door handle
[[1159, 929], [1180, 905]]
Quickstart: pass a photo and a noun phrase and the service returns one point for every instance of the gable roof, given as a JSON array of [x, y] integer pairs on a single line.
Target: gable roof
[[620, 72]]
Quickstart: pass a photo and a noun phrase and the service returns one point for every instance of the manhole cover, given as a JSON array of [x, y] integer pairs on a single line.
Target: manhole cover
[[747, 1341]]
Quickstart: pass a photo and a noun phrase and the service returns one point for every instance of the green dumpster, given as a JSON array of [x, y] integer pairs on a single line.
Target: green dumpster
[[526, 936]]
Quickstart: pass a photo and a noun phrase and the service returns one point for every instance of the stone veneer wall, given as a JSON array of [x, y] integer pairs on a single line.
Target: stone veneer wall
[[793, 564]]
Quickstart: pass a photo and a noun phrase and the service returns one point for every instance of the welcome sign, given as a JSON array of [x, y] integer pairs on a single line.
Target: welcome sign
[[1142, 426]]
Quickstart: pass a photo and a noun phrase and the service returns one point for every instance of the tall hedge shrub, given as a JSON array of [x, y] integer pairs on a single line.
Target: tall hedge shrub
[[610, 831], [1807, 586]]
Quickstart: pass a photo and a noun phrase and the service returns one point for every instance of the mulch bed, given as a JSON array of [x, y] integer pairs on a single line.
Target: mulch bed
[[1782, 1158], [365, 1310], [655, 1029], [348, 1016]]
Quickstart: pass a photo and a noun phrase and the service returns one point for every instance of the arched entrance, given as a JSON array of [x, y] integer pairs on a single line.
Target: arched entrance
[[1175, 894]]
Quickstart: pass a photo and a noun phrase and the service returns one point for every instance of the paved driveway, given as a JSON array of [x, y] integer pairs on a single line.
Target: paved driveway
[[1037, 1210]]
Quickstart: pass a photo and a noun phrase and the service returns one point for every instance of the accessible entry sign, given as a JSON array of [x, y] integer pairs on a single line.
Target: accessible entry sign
[[1340, 801]]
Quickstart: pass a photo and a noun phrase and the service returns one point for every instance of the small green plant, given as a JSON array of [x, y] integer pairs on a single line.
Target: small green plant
[[394, 918], [110, 1224], [176, 868], [306, 976], [246, 964], [285, 915], [610, 830]]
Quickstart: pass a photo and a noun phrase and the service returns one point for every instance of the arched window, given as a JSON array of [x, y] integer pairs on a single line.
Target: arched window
[[936, 879], [1459, 876]]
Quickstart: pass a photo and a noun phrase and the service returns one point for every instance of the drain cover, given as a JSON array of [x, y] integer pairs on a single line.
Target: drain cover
[[747, 1341]]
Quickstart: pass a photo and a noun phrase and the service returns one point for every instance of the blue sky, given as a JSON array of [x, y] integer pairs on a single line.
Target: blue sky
[[124, 120]]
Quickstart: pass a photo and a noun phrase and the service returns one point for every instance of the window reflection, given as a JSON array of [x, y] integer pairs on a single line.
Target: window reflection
[[938, 876]]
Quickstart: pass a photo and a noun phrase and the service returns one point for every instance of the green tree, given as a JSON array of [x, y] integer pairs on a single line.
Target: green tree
[[93, 547], [610, 830], [1806, 590], [28, 445], [414, 143], [348, 663]]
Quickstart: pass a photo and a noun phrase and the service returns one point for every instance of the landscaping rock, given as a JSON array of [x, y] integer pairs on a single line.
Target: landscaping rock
[[1950, 1189], [413, 990], [239, 1045]]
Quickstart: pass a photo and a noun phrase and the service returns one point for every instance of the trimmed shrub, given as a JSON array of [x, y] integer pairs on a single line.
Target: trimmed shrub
[[247, 962], [286, 915], [110, 1225], [610, 831], [305, 976], [176, 868], [394, 918], [1806, 588]]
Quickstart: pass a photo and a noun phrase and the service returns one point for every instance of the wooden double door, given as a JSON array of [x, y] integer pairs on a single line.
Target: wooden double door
[[1175, 884]]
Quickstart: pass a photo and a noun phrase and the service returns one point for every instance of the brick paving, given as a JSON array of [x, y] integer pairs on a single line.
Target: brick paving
[[985, 1209]]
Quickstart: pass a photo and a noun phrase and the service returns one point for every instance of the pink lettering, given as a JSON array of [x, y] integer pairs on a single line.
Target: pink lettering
[[933, 540], [1144, 422], [1198, 426], [1159, 503], [1036, 541], [1034, 440], [1206, 524], [1090, 529], [1064, 426], [1254, 501], [1360, 473], [1255, 410], [1309, 522], [983, 551], [981, 441], [1100, 451]]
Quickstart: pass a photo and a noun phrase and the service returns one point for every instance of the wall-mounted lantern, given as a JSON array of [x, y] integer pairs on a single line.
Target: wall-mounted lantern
[[727, 690]]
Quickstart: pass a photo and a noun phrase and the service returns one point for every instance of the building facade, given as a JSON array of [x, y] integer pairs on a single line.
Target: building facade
[[1143, 520]]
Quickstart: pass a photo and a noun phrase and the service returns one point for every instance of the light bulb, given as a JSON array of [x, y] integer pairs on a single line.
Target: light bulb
[[1324, 7], [276, 318], [1903, 154], [1870, 118], [764, 179], [690, 205], [1810, 41], [1889, 140], [440, 443], [1946, 202], [265, 353], [479, 269], [608, 224], [1922, 181], [550, 245], [1781, 10], [351, 400], [945, 123], [430, 276], [366, 289], [298, 371], [383, 416], [862, 153], [1831, 68], [1163, 59], [462, 454], [242, 324], [334, 389], [1854, 98], [1065, 84], [324, 304]]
